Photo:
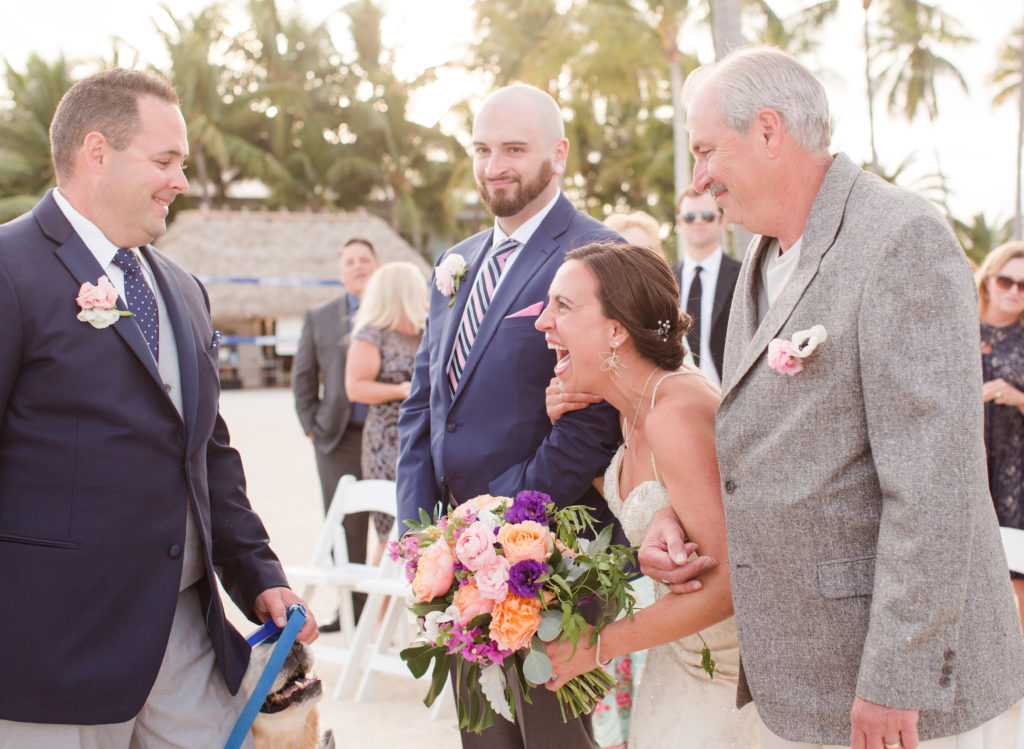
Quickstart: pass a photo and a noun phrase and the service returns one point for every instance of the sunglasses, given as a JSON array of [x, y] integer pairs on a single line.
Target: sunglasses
[[1005, 283], [706, 216]]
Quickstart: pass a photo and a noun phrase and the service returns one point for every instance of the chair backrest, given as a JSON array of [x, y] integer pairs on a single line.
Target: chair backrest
[[369, 495], [1013, 544]]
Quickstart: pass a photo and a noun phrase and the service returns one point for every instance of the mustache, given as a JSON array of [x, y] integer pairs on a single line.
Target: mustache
[[716, 189]]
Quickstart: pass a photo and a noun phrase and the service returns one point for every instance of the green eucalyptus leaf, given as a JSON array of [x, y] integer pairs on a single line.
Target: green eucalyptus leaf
[[537, 667], [550, 625]]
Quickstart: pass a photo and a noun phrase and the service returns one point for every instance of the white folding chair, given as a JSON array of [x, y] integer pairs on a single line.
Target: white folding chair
[[1013, 544], [330, 565]]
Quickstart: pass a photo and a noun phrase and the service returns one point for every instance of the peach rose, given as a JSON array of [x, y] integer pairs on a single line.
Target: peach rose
[[470, 603], [101, 296], [476, 504], [434, 575], [475, 547], [492, 579], [514, 621], [526, 540]]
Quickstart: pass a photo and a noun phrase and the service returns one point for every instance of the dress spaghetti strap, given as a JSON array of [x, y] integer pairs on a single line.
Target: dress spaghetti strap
[[654, 392]]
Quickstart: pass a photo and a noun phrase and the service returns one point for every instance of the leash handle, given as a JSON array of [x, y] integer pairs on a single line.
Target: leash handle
[[285, 638]]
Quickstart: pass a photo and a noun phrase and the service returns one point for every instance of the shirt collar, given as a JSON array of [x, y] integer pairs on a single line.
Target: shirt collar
[[101, 247], [709, 265]]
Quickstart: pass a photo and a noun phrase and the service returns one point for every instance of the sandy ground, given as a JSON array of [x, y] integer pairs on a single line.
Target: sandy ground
[[284, 490]]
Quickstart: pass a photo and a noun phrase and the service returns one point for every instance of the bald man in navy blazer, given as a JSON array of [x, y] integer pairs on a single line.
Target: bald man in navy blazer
[[121, 499]]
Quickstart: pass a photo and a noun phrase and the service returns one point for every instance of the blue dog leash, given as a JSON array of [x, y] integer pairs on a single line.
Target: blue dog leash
[[285, 638]]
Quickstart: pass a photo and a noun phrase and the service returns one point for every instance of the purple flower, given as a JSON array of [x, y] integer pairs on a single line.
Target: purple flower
[[524, 578], [530, 505]]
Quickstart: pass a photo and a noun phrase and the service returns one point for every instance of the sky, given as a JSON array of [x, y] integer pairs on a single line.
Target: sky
[[975, 143]]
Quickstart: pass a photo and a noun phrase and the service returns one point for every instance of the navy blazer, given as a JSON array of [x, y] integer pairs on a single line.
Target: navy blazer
[[728, 272], [96, 465], [495, 437]]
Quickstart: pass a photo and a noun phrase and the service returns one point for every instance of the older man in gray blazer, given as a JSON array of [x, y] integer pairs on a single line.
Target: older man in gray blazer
[[871, 593]]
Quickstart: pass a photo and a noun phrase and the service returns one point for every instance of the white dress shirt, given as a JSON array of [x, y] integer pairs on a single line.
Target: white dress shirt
[[708, 283], [522, 235]]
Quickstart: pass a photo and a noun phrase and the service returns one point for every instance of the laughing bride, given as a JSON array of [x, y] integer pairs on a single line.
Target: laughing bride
[[613, 318]]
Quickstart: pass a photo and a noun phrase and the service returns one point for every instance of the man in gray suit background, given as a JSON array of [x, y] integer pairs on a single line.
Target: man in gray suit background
[[332, 423], [871, 592]]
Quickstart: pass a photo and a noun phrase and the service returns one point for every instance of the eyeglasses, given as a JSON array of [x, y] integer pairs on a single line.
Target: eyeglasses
[[1005, 283], [706, 216]]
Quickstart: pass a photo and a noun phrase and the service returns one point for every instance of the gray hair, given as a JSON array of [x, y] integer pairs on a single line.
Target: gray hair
[[750, 79]]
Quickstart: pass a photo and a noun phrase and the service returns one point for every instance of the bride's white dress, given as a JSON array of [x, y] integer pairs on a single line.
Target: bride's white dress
[[677, 705]]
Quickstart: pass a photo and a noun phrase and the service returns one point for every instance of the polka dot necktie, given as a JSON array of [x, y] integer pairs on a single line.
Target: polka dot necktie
[[140, 300]]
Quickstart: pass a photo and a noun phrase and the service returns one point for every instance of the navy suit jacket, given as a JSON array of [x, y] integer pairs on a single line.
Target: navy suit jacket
[[96, 467], [728, 272], [495, 437]]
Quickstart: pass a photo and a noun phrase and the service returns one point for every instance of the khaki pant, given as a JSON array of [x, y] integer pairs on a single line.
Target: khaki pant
[[982, 737]]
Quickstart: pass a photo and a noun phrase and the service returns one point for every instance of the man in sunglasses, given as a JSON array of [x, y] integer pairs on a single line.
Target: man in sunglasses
[[706, 278]]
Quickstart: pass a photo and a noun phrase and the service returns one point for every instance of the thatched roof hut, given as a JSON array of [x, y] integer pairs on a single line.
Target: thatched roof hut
[[288, 252]]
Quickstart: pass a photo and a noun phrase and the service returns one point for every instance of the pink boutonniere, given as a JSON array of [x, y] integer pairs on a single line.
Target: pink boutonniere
[[787, 357], [99, 304], [449, 275]]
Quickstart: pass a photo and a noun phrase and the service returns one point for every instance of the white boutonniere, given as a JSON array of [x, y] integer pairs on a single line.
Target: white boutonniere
[[787, 357], [449, 275], [99, 304]]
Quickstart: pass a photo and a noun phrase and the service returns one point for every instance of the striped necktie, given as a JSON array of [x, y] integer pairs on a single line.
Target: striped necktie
[[479, 299]]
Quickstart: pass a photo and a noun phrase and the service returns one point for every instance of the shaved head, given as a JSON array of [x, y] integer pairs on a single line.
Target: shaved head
[[531, 104]]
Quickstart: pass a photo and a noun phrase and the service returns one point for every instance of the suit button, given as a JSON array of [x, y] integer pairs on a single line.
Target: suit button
[[450, 426], [947, 670], [949, 655], [730, 487], [174, 551], [945, 681]]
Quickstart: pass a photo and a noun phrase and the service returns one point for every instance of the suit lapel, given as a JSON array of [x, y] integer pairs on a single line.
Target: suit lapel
[[726, 280], [531, 257], [184, 338], [453, 315], [82, 265], [819, 235]]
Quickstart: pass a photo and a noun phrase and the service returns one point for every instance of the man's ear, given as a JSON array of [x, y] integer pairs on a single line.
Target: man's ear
[[94, 150], [770, 130]]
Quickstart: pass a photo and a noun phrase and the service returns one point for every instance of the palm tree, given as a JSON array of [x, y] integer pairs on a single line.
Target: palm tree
[[26, 170], [1009, 76], [979, 237], [913, 33]]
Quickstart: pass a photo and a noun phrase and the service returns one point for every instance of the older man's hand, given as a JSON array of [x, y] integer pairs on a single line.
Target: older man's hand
[[665, 554], [879, 726]]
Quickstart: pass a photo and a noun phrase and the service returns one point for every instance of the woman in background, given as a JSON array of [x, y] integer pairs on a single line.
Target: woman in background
[[386, 334], [637, 228], [1001, 298]]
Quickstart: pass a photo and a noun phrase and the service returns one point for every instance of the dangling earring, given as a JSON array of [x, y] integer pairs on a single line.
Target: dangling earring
[[610, 361]]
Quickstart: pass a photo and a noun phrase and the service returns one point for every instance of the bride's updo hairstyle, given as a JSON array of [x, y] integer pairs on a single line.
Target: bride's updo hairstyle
[[638, 290]]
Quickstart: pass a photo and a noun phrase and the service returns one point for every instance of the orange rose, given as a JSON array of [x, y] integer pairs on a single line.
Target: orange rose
[[434, 575], [514, 621], [483, 502], [526, 540], [471, 603]]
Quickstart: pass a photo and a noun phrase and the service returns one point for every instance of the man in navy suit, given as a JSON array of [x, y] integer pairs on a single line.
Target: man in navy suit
[[475, 421], [120, 495]]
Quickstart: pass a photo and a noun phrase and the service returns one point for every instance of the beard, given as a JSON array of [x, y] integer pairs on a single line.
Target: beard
[[506, 205]]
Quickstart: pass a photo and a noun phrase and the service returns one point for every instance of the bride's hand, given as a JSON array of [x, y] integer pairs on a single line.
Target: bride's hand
[[559, 402], [665, 552], [567, 664]]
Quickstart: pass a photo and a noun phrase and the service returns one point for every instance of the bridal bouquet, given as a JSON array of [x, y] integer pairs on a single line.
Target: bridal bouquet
[[495, 579]]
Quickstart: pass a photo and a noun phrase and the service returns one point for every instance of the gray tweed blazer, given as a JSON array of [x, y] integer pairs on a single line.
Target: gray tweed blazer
[[863, 544]]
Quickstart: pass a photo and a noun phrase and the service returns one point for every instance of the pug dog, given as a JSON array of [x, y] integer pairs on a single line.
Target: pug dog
[[289, 717]]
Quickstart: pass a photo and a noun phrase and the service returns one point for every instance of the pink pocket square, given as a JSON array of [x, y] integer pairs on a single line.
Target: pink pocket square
[[532, 311]]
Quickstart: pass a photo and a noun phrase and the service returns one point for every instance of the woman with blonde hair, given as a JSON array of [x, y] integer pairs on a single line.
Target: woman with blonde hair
[[637, 228], [1001, 299], [386, 334]]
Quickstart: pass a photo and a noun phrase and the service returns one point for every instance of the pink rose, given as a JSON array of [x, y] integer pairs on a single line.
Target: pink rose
[[101, 296], [470, 603], [475, 547], [492, 579], [434, 574], [784, 357]]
